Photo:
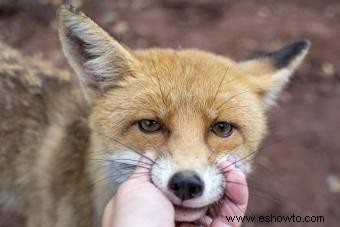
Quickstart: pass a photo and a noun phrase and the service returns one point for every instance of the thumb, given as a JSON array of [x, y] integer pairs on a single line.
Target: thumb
[[139, 176], [108, 214], [142, 171]]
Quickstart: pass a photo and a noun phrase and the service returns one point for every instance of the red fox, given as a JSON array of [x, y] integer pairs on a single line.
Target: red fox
[[67, 144]]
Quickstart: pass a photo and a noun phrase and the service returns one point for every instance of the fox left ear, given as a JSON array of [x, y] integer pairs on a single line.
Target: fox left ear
[[270, 72], [98, 59]]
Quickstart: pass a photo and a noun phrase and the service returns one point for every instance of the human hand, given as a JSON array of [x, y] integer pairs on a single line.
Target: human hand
[[235, 200], [139, 203]]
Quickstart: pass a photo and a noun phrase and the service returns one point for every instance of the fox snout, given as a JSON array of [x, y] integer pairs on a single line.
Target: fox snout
[[186, 185], [191, 188]]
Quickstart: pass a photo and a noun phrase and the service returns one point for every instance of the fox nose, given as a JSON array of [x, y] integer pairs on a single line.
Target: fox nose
[[186, 185]]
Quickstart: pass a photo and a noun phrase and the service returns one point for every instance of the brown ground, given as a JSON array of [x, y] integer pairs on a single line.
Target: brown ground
[[299, 168]]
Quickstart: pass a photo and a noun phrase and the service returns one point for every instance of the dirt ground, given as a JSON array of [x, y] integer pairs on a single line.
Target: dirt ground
[[298, 169]]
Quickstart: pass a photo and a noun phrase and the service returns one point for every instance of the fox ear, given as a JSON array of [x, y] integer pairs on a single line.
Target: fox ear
[[95, 56], [270, 72]]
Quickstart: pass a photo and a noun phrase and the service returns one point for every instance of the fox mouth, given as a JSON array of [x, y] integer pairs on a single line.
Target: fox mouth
[[192, 192], [189, 214]]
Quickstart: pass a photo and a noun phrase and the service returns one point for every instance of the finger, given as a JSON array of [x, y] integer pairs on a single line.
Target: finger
[[237, 188], [219, 222], [142, 171], [236, 194], [236, 200], [108, 214], [205, 221], [236, 184], [227, 167]]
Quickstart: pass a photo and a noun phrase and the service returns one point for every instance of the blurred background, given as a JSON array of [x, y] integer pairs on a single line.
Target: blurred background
[[298, 168]]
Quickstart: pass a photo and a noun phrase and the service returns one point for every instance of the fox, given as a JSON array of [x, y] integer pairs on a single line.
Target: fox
[[68, 140]]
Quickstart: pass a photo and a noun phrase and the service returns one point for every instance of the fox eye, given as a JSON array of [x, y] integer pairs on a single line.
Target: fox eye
[[222, 129], [149, 126]]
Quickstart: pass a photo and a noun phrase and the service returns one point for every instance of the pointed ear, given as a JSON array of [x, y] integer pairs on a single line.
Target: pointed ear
[[95, 56], [270, 72]]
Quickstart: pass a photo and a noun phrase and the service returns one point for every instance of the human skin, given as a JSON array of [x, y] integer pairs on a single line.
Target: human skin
[[139, 203]]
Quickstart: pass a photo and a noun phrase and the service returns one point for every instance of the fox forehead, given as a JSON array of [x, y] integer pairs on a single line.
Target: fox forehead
[[191, 82], [168, 81]]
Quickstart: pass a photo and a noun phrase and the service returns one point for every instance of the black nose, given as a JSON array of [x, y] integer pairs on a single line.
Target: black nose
[[186, 185]]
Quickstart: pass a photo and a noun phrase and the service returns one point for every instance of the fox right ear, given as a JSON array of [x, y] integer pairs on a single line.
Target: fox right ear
[[94, 55], [270, 72]]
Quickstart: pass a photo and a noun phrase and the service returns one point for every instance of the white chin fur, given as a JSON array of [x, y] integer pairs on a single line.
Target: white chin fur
[[189, 214]]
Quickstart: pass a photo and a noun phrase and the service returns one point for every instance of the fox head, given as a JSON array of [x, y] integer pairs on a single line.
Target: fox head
[[187, 110]]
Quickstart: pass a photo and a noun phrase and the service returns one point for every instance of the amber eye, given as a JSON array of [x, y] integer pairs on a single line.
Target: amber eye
[[149, 126], [222, 129]]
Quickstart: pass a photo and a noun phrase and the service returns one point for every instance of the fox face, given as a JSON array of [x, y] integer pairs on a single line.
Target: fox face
[[185, 110]]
